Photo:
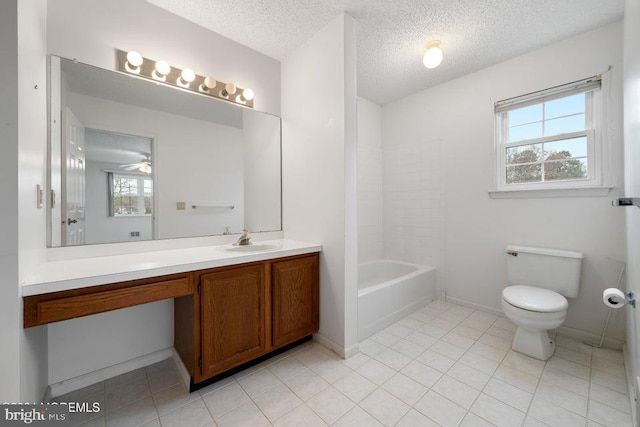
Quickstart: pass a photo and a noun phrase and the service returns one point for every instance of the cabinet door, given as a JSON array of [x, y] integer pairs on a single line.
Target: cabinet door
[[295, 299], [233, 318]]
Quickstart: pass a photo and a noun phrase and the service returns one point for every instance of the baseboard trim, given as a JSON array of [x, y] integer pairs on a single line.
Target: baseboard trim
[[182, 370], [631, 390], [337, 349], [81, 381], [565, 331]]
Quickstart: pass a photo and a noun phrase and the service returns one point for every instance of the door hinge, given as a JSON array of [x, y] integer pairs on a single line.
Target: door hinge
[[199, 288], [200, 362]]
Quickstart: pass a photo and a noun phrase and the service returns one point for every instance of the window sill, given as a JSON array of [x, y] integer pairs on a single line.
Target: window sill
[[550, 193]]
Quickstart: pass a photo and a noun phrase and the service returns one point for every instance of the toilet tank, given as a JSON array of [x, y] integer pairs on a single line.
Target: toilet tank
[[554, 269]]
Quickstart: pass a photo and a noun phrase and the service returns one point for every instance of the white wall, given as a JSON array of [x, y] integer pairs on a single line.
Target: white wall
[[370, 224], [99, 227], [10, 322], [90, 31], [438, 150], [632, 171], [318, 166]]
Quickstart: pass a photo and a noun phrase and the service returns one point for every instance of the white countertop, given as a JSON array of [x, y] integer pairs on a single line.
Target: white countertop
[[56, 276]]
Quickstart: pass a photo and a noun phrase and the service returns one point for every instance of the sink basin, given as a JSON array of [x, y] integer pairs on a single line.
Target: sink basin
[[251, 248]]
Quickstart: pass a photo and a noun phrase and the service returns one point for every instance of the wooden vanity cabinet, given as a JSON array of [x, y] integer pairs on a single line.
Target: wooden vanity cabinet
[[240, 313]]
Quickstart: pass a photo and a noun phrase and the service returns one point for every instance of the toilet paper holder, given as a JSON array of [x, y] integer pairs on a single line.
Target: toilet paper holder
[[627, 201], [630, 298]]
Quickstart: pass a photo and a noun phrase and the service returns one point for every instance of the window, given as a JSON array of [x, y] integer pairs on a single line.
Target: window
[[130, 194], [547, 140]]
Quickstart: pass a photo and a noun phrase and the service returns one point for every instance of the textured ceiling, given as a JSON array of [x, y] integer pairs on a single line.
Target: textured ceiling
[[392, 33]]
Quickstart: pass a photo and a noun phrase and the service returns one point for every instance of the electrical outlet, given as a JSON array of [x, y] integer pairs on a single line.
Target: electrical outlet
[[181, 206]]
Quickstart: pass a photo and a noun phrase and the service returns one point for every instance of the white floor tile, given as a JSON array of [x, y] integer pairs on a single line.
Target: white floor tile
[[226, 399], [509, 394], [522, 363], [355, 361], [245, 415], [414, 418], [399, 330], [496, 412], [517, 378], [494, 341], [421, 339], [384, 407], [259, 382], [425, 375], [376, 372], [331, 370], [133, 415], [610, 381], [614, 368], [609, 354], [440, 409], [357, 417], [312, 355], [306, 384], [277, 402], [355, 386], [173, 397], [447, 349], [565, 380], [468, 376], [456, 391], [467, 332], [608, 416], [459, 340], [480, 363], [436, 360], [405, 389], [611, 398], [300, 416], [433, 331], [385, 338], [287, 368], [563, 398], [573, 355], [488, 352], [371, 348], [472, 420], [408, 348], [572, 368], [119, 395], [553, 415], [330, 404], [194, 414], [393, 359]]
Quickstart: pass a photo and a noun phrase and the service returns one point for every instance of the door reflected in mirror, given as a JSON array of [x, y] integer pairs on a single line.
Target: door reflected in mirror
[[136, 160]]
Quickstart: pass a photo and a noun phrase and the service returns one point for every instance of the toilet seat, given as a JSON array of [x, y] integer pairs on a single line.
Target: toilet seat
[[534, 299]]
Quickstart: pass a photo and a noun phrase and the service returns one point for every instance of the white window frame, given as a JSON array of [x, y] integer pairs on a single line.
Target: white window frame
[[592, 88], [140, 178]]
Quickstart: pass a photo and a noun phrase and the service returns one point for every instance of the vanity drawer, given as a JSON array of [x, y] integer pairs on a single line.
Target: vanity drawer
[[64, 305]]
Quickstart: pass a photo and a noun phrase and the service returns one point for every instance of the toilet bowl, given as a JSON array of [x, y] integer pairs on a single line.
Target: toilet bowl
[[534, 311]]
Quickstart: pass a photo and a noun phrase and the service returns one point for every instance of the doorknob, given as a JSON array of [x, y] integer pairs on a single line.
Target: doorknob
[[71, 221]]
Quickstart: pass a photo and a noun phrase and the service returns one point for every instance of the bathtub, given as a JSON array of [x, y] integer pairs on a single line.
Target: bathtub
[[389, 291]]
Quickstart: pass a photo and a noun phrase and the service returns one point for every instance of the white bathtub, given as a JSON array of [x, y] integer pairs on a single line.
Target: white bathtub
[[389, 291]]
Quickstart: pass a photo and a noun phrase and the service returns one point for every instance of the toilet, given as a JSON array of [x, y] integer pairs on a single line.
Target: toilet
[[539, 281]]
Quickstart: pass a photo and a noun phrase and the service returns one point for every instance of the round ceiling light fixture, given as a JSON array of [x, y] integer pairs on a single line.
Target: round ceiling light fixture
[[433, 56]]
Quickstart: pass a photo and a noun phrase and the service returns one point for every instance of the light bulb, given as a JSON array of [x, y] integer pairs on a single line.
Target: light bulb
[[248, 94], [134, 59], [187, 75], [433, 56], [208, 84], [229, 89], [163, 68]]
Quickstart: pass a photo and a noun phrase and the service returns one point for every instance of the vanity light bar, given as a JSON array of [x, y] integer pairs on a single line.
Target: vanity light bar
[[160, 71]]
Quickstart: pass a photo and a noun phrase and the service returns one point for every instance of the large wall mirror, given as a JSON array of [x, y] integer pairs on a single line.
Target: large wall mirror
[[132, 160]]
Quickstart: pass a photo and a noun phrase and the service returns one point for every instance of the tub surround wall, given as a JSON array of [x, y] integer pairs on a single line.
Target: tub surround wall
[[318, 168], [632, 176], [370, 224], [438, 157]]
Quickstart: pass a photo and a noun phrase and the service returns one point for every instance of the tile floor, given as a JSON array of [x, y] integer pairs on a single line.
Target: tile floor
[[443, 365]]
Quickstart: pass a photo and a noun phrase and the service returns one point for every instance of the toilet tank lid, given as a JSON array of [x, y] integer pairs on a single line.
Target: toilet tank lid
[[534, 299], [545, 251]]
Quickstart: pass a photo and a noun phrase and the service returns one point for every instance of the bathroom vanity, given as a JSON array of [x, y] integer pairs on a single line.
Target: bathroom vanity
[[230, 307]]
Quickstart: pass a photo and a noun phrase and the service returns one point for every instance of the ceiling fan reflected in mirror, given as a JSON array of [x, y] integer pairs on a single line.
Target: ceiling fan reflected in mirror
[[143, 166]]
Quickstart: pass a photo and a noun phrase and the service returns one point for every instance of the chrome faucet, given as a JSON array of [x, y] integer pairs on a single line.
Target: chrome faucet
[[244, 240]]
